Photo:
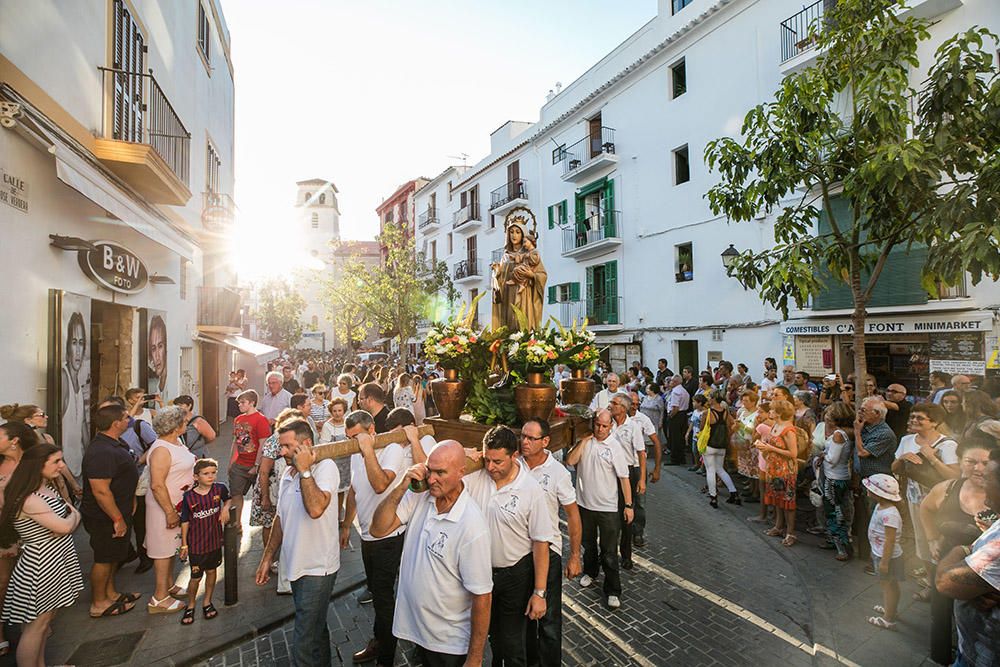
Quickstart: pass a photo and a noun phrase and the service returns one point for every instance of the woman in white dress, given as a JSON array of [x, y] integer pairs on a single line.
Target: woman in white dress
[[334, 429], [344, 392]]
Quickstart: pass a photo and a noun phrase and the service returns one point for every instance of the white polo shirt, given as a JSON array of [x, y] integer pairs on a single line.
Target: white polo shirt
[[446, 560], [309, 547], [644, 422], [557, 484], [629, 436], [602, 399], [392, 457], [601, 466], [516, 514]]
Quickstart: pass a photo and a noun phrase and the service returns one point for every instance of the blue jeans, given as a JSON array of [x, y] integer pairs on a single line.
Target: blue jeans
[[310, 635]]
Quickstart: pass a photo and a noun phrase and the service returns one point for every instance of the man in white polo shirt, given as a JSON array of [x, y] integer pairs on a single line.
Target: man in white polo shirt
[[649, 436], [544, 643], [603, 397], [601, 472], [520, 529], [629, 435], [305, 529], [445, 582], [373, 474]]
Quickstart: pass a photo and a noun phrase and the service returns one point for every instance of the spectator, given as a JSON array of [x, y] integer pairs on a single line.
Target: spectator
[[699, 405], [874, 452], [249, 429], [954, 418], [898, 415], [829, 391], [961, 384], [403, 395], [602, 399], [835, 477], [233, 390], [303, 404], [198, 433], [310, 377], [171, 469], [805, 418], [689, 380], [204, 510], [288, 381], [663, 372], [110, 477], [343, 391], [741, 439], [318, 402], [885, 532], [15, 438], [979, 409], [940, 382], [36, 419], [787, 377], [275, 399], [780, 452], [371, 399], [769, 382], [47, 575], [717, 421], [334, 430]]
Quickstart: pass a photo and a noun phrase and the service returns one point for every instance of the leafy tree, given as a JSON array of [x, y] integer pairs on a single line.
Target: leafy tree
[[916, 169], [280, 313], [403, 290], [350, 322]]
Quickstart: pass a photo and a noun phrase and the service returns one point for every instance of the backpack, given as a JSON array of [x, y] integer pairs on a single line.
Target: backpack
[[197, 441], [137, 427]]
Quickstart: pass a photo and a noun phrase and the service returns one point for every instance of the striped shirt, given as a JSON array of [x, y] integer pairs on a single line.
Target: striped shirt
[[201, 511]]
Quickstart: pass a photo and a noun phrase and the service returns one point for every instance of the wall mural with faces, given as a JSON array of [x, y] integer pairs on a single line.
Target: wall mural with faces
[[71, 395], [154, 353]]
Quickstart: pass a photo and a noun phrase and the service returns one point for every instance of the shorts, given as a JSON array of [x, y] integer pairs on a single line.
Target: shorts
[[106, 547], [240, 479], [200, 563], [896, 570]]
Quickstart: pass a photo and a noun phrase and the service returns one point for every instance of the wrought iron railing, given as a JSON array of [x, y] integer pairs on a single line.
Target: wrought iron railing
[[468, 268], [469, 212], [428, 217], [219, 307], [571, 311], [507, 193], [602, 310], [798, 30], [592, 146], [218, 210], [592, 229], [142, 114]]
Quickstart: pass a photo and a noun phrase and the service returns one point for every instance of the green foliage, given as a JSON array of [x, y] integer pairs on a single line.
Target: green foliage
[[280, 313], [491, 399], [916, 167]]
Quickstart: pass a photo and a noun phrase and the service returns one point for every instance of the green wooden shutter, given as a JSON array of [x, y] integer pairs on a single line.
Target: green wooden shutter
[[590, 294], [552, 293], [563, 213], [611, 292], [581, 222], [574, 291], [609, 208], [552, 222]]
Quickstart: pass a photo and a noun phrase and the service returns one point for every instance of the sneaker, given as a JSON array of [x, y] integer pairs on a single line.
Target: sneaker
[[586, 581], [627, 564], [365, 598], [614, 602], [639, 541], [870, 570]]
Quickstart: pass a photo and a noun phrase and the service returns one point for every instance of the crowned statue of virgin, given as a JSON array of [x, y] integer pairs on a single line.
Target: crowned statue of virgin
[[519, 278]]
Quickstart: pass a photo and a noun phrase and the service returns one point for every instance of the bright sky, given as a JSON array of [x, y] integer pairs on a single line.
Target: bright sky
[[371, 93]]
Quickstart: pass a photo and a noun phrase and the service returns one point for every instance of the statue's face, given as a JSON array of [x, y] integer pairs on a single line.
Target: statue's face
[[515, 235]]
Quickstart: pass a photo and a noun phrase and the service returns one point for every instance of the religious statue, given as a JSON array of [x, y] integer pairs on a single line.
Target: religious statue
[[519, 278]]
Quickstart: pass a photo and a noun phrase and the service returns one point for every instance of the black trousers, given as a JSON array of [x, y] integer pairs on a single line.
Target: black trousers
[[381, 561], [430, 658], [638, 514], [600, 547], [139, 525], [942, 608], [512, 588], [544, 644], [676, 428]]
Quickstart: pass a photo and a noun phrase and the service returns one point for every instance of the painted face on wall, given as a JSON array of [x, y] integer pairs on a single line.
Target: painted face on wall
[[77, 346], [158, 351]]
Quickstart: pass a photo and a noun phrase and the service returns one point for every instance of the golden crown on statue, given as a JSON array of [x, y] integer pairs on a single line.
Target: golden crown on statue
[[524, 217]]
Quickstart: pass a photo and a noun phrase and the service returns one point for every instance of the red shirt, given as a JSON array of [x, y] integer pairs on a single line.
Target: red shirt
[[248, 431]]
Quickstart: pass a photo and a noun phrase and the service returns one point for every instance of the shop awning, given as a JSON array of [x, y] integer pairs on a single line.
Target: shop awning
[[261, 352], [614, 339], [381, 341], [967, 321]]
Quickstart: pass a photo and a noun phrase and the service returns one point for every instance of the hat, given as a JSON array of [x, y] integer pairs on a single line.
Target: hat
[[883, 486]]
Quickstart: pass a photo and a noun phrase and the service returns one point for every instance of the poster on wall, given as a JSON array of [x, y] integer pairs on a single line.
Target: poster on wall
[[153, 356], [72, 388]]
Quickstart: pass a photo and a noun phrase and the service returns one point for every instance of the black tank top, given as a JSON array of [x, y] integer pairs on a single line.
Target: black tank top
[[956, 526]]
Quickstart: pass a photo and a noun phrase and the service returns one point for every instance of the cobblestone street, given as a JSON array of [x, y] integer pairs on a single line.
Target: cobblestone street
[[708, 589]]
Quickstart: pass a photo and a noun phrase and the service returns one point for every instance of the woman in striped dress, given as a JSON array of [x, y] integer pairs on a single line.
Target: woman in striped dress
[[47, 575]]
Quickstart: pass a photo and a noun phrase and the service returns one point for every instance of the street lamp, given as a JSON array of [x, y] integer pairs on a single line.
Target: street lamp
[[729, 256], [71, 243]]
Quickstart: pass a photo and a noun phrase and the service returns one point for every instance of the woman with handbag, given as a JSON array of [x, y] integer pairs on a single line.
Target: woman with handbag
[[715, 450], [782, 470], [924, 457]]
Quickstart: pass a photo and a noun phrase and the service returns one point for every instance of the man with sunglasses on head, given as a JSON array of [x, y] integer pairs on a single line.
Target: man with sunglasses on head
[[601, 471]]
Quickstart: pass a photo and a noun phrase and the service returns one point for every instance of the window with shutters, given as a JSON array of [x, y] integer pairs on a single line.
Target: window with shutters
[[128, 64], [213, 165], [558, 153], [451, 244], [558, 214], [594, 214], [603, 302], [315, 220], [564, 293], [678, 5], [204, 33]]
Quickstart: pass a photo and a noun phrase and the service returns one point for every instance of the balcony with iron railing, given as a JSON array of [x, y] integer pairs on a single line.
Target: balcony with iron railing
[[143, 139], [428, 220], [592, 236], [467, 271], [509, 195], [605, 311], [572, 311], [219, 310], [594, 152], [218, 211], [467, 219]]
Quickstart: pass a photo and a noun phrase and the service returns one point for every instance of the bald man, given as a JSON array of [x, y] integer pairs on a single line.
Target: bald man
[[445, 576]]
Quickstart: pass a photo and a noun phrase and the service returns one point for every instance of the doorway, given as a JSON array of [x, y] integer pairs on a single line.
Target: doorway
[[112, 351], [686, 353], [211, 358]]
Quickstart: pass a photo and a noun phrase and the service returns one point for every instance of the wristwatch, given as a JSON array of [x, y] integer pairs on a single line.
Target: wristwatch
[[540, 592], [306, 474], [628, 506]]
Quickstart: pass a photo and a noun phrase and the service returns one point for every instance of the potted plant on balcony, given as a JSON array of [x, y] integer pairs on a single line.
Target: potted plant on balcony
[[532, 355], [453, 345], [579, 353]]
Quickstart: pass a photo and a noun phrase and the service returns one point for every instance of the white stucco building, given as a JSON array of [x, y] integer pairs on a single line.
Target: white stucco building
[[614, 172], [316, 229], [117, 158]]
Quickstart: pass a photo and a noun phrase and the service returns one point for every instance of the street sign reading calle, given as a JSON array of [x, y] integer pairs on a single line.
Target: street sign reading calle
[[114, 267]]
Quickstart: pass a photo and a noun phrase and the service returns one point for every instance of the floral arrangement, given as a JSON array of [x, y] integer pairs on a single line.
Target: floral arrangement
[[576, 346], [451, 343], [533, 351]]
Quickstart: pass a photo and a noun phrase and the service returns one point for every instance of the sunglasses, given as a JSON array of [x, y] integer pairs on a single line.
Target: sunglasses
[[39, 414]]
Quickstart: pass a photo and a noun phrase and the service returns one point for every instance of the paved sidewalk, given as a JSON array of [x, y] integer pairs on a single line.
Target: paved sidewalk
[[140, 639]]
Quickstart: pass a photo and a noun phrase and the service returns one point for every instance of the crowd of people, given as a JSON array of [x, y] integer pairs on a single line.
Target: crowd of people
[[906, 484]]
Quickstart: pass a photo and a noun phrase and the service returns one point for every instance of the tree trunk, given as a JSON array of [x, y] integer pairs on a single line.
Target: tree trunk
[[858, 322]]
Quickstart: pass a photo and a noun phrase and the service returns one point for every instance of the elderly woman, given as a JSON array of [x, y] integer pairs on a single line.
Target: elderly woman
[[318, 402], [652, 406], [780, 452], [835, 477], [171, 472], [742, 439], [343, 391], [924, 446], [805, 418]]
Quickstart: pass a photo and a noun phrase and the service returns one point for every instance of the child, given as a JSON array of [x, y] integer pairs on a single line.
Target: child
[[884, 533], [700, 407], [528, 256], [204, 511]]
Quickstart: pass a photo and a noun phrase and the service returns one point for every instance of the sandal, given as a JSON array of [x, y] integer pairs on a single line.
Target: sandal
[[209, 611], [774, 532], [919, 572], [879, 609], [176, 592], [155, 606], [4, 648], [116, 608], [789, 540], [923, 595], [188, 617], [880, 622], [129, 597]]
